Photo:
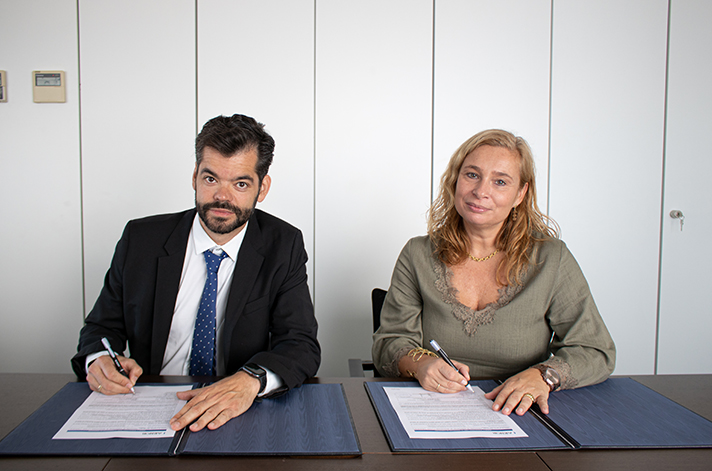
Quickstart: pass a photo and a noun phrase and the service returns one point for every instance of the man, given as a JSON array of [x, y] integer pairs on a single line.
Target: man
[[256, 321]]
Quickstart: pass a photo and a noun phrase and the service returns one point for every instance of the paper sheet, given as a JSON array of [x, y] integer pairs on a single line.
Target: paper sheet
[[142, 415], [426, 414]]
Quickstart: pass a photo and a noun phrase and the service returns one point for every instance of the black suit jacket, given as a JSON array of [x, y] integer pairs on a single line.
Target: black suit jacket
[[269, 317]]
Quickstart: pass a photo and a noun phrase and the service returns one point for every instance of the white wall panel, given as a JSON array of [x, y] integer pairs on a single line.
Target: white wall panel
[[492, 71], [685, 306], [40, 242], [373, 158], [608, 89], [257, 58], [358, 95], [138, 119]]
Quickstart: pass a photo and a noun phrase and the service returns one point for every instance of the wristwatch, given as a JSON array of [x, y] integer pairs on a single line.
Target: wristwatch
[[550, 376], [258, 372]]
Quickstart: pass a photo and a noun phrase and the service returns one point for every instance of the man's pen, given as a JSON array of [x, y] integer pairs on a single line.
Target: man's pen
[[444, 356], [118, 366]]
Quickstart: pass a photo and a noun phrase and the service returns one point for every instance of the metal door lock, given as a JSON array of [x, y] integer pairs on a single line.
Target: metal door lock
[[677, 214]]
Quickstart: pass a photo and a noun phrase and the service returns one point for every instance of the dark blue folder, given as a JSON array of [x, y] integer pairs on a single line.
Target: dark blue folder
[[34, 435], [540, 437], [311, 420], [618, 413], [622, 413]]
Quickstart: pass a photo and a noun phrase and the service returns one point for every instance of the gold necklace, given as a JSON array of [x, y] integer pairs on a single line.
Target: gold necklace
[[483, 258]]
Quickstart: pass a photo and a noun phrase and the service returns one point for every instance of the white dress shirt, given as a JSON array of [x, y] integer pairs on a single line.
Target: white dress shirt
[[176, 358]]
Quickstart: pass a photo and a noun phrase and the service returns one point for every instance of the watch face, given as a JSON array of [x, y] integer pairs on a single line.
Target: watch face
[[552, 376], [257, 371]]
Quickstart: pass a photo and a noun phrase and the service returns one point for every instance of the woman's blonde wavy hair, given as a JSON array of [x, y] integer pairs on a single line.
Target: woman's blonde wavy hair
[[517, 235]]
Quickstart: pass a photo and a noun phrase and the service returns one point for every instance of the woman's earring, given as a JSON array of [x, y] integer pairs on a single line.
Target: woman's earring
[[514, 213]]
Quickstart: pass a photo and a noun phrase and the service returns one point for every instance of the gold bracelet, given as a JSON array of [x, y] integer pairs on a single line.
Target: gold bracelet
[[420, 352]]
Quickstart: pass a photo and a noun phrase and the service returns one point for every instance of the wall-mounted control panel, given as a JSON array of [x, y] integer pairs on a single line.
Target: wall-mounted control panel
[[3, 87], [48, 86]]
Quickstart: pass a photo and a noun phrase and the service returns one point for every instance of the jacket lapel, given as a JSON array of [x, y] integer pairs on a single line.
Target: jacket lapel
[[249, 262], [170, 267]]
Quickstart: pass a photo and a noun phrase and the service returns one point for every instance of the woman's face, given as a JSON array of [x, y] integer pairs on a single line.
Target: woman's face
[[488, 187]]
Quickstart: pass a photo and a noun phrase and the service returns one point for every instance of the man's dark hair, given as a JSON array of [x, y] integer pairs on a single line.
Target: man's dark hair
[[235, 134]]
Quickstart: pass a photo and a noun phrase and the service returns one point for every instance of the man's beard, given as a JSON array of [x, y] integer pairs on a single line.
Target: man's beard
[[221, 225]]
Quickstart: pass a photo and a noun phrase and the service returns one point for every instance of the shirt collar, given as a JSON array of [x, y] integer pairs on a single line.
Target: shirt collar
[[203, 242]]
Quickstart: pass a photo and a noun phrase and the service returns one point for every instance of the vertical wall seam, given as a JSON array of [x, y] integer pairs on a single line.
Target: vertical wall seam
[[197, 123], [81, 168], [314, 189], [662, 190], [551, 107], [432, 110]]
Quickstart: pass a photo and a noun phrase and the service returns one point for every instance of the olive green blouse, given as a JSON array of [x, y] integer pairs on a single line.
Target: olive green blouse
[[550, 319]]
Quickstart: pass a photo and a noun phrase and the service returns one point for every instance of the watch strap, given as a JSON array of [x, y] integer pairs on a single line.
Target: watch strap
[[257, 372], [544, 370]]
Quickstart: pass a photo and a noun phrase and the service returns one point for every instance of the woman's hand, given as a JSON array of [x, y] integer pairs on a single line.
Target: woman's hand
[[434, 374], [520, 392]]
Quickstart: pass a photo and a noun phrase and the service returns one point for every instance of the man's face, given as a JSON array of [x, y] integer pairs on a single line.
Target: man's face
[[226, 192]]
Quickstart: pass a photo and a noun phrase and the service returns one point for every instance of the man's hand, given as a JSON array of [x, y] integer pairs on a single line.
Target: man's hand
[[105, 378], [214, 405]]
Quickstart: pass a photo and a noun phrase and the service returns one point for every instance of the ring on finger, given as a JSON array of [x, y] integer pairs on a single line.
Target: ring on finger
[[530, 396], [438, 387], [98, 388]]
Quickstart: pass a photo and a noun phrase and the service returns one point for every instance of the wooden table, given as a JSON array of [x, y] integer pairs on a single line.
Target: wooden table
[[22, 394]]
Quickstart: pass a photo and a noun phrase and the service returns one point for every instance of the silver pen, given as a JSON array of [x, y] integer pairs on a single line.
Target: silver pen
[[444, 356], [118, 366]]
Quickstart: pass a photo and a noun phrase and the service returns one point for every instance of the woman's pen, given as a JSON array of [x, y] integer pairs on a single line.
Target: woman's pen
[[118, 366], [444, 356]]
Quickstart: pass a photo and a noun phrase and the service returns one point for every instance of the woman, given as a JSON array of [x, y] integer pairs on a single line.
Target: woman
[[493, 285]]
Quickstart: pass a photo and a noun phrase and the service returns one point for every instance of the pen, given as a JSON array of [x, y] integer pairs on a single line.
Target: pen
[[118, 366], [444, 356]]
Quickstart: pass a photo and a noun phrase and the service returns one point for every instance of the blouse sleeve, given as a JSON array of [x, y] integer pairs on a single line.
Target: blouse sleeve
[[583, 350], [401, 327]]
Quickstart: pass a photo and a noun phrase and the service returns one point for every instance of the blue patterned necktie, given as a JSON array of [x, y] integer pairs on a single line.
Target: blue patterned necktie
[[202, 355]]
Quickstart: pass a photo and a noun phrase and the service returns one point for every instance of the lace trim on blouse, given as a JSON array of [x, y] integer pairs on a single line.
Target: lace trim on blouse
[[564, 369], [471, 318], [390, 370]]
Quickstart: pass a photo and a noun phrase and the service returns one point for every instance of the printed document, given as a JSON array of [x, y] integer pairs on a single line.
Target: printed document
[[145, 414], [426, 414]]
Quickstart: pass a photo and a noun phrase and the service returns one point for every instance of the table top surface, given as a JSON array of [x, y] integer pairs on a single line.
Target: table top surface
[[23, 393]]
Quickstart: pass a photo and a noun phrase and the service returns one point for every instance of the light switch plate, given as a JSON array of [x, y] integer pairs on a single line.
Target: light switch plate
[[48, 86]]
